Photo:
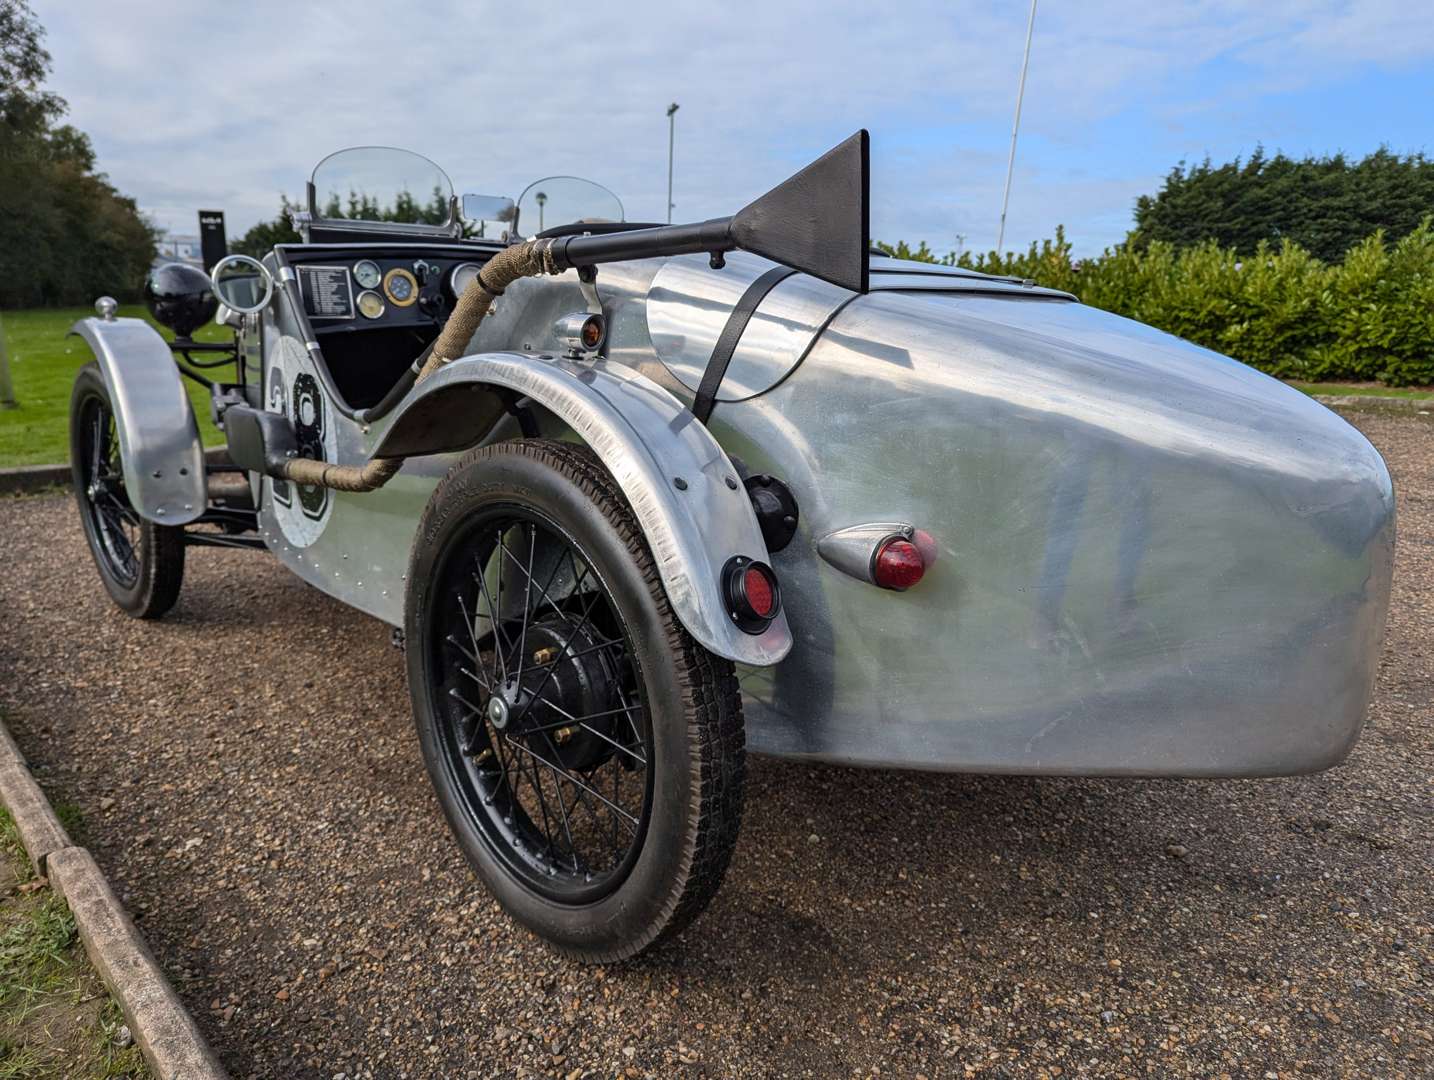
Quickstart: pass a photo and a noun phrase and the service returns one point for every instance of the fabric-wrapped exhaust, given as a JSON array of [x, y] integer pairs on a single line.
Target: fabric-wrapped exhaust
[[519, 261]]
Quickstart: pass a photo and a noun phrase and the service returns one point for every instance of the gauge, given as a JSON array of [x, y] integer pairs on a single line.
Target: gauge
[[401, 287], [464, 274], [367, 274], [370, 304]]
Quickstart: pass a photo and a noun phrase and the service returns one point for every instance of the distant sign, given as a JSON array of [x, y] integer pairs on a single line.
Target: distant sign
[[211, 237]]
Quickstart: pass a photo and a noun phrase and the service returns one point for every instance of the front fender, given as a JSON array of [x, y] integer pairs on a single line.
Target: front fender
[[159, 440], [684, 491]]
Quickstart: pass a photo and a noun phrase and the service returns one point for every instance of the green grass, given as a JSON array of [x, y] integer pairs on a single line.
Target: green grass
[[1333, 389], [55, 1018], [43, 362]]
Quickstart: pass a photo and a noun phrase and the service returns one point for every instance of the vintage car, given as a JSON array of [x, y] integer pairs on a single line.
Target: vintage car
[[690, 490]]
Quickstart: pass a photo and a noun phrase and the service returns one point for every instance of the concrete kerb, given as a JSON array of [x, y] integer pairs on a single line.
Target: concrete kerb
[[164, 1030], [166, 1033], [40, 830]]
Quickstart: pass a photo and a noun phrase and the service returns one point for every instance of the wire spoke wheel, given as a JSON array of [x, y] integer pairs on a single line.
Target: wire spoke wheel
[[141, 564], [104, 498], [587, 752], [547, 731]]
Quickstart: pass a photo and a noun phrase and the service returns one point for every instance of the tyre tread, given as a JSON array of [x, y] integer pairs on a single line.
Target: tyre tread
[[710, 694]]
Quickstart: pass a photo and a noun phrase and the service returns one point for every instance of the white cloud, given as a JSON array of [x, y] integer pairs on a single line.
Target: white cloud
[[232, 106]]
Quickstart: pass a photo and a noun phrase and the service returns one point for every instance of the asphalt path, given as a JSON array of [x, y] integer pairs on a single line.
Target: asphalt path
[[249, 779]]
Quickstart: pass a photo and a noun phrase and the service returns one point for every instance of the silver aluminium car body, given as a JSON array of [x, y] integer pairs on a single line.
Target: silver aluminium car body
[[1150, 559]]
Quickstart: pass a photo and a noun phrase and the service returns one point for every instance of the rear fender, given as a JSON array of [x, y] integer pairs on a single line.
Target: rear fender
[[159, 440], [679, 482]]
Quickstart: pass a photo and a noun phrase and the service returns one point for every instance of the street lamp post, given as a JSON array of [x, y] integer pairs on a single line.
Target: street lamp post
[[671, 138], [541, 198], [1016, 126]]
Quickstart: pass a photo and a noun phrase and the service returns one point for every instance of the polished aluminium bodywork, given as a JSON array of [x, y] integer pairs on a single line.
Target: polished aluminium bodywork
[[683, 490], [1153, 560], [1150, 559], [685, 493], [159, 440]]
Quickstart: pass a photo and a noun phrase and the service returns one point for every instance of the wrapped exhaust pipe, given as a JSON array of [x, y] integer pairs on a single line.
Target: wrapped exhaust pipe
[[520, 261]]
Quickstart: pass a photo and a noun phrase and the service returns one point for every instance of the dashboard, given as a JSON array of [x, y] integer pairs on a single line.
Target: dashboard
[[347, 288]]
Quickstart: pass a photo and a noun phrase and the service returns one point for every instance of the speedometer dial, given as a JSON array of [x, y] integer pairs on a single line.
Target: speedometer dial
[[464, 274], [400, 286], [367, 274]]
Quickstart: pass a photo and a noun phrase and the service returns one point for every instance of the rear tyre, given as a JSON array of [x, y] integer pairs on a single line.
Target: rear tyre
[[588, 753], [141, 564]]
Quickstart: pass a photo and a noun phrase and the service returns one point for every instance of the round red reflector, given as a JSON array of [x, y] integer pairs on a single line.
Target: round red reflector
[[758, 590], [753, 596], [898, 564]]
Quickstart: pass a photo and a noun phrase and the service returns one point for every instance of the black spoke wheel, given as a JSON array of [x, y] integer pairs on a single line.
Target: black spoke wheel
[[587, 752], [140, 563]]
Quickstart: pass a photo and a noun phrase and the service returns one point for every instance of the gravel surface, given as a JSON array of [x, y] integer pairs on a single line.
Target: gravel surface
[[274, 833]]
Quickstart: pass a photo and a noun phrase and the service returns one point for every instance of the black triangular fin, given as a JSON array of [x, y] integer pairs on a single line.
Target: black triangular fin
[[818, 221]]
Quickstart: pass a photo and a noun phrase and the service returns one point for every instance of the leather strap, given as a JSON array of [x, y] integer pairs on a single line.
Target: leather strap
[[742, 313]]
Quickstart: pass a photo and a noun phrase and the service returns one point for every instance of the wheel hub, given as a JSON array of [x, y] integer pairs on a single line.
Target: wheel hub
[[498, 712], [567, 679]]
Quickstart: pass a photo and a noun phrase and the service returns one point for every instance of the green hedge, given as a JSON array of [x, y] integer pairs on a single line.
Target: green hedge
[[1368, 317]]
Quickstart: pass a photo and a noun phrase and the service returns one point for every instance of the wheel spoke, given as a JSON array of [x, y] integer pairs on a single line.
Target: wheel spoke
[[632, 821], [472, 625], [496, 745], [476, 678], [564, 809], [535, 781], [527, 599], [493, 614], [558, 776], [96, 433], [543, 593], [124, 512], [456, 696], [570, 719]]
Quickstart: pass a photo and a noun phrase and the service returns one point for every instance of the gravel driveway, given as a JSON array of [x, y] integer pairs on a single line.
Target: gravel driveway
[[273, 830]]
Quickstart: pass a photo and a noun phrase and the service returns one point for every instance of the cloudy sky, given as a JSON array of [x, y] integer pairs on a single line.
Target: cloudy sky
[[227, 105]]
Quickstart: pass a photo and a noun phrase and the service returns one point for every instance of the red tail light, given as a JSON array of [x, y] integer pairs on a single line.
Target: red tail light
[[898, 564]]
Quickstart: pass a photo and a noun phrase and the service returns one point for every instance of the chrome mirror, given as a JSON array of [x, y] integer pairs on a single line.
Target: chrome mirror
[[488, 208], [482, 212], [242, 284]]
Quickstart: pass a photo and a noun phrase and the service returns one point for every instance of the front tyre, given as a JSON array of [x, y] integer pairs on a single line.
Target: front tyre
[[588, 753], [140, 563]]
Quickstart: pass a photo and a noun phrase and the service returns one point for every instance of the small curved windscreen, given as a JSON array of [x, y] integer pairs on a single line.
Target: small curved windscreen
[[381, 183], [565, 200]]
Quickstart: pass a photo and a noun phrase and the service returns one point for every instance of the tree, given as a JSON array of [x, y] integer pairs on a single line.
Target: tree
[[261, 238], [1326, 205], [66, 235], [921, 253], [26, 111]]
